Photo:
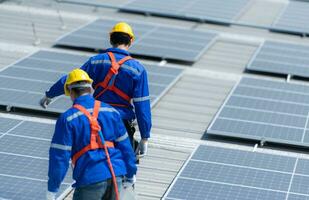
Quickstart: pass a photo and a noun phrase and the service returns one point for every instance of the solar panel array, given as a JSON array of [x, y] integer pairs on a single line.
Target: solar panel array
[[96, 3], [24, 149], [293, 19], [151, 40], [265, 110], [25, 82], [281, 58], [218, 11], [220, 173]]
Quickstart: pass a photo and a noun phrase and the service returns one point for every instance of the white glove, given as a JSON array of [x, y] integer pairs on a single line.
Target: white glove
[[45, 101], [50, 195], [129, 182], [143, 148]]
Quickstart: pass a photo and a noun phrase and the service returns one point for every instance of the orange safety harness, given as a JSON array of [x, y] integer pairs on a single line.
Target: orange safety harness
[[106, 84], [95, 140]]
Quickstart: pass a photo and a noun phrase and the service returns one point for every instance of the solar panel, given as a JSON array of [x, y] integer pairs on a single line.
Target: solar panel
[[151, 40], [221, 173], [265, 110], [293, 19], [23, 83], [24, 147], [281, 58], [217, 11], [95, 3]]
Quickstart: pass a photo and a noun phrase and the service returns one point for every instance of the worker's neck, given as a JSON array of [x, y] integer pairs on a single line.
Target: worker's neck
[[123, 47]]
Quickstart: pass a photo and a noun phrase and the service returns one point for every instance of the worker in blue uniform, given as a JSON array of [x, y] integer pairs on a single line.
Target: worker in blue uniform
[[118, 80], [91, 136]]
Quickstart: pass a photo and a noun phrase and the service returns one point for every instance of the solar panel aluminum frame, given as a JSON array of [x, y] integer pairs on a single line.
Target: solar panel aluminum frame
[[256, 53], [179, 173], [260, 140], [285, 30]]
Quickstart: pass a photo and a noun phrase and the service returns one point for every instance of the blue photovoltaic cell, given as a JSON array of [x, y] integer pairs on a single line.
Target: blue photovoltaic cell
[[217, 11], [267, 110], [293, 19], [24, 83], [24, 150], [281, 58], [150, 40], [220, 173]]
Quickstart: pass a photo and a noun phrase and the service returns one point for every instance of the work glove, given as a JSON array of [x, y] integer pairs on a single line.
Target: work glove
[[143, 148], [129, 182], [45, 101], [50, 195]]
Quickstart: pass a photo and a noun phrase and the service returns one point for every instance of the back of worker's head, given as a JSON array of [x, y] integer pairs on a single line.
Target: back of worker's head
[[80, 88], [121, 34], [78, 83]]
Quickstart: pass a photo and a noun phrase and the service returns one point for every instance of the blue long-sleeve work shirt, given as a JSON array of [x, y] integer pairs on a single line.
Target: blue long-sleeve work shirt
[[72, 133], [131, 79]]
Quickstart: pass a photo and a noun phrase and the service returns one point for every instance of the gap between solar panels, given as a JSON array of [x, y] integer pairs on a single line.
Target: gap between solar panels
[[152, 41], [24, 147], [279, 58], [265, 110], [24, 83], [222, 173]]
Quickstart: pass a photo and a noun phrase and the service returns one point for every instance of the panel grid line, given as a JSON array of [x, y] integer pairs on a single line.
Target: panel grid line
[[240, 166], [263, 123], [305, 128], [290, 185], [267, 111], [1, 136], [231, 184]]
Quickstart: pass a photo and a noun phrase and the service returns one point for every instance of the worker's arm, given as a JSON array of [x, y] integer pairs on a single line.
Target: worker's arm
[[58, 88], [59, 154], [122, 143], [141, 100]]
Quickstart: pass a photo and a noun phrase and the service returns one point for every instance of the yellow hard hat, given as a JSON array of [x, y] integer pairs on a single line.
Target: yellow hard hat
[[74, 76], [123, 27]]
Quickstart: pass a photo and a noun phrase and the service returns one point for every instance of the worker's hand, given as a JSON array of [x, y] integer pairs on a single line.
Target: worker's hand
[[143, 147], [45, 101], [129, 182], [50, 195]]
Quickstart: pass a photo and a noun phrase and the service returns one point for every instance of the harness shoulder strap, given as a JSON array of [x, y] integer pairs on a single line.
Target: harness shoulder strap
[[113, 71]]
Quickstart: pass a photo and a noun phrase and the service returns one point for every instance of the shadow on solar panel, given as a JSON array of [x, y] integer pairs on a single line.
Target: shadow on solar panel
[[24, 83], [152, 41], [266, 111]]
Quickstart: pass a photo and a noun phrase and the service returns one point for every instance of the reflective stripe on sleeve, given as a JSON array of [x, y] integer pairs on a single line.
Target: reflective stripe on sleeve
[[139, 99], [79, 113], [122, 138], [61, 147]]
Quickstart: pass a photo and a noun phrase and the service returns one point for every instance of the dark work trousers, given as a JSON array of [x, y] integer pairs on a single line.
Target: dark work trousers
[[131, 130]]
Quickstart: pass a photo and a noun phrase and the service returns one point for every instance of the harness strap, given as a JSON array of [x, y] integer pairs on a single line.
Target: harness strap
[[95, 140], [106, 84]]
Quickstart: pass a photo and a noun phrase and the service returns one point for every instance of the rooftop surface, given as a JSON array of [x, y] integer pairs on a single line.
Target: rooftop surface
[[182, 116]]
